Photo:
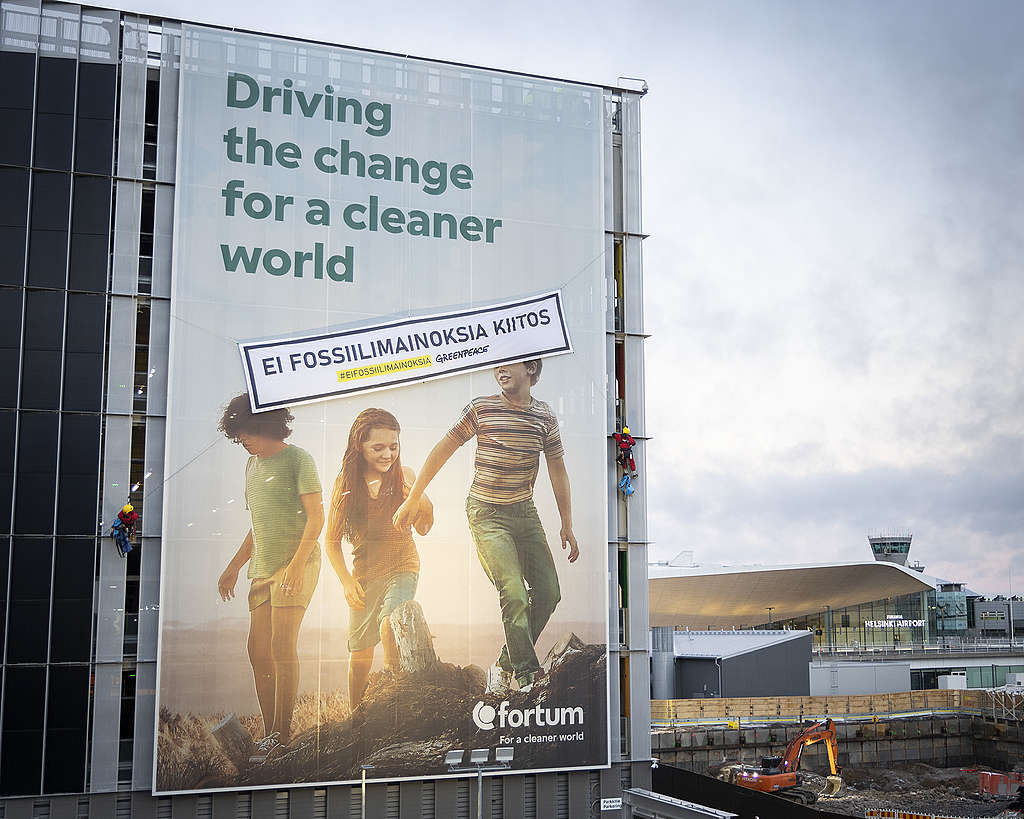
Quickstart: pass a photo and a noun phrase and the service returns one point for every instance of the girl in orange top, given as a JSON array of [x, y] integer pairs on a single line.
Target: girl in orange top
[[371, 485]]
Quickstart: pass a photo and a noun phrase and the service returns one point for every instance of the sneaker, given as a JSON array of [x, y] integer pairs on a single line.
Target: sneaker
[[264, 748], [499, 681]]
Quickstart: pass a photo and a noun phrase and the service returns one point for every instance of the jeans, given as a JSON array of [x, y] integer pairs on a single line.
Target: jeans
[[514, 553]]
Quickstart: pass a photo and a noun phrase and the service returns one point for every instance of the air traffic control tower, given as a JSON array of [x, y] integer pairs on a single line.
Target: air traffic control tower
[[892, 546]]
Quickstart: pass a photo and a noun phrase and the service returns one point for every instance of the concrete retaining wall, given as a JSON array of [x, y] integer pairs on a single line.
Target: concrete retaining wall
[[942, 741]]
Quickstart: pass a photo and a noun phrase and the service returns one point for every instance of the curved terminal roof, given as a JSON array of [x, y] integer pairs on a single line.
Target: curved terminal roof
[[709, 597]]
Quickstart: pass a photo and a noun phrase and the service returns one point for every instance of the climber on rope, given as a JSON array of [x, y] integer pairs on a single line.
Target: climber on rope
[[123, 530], [624, 458]]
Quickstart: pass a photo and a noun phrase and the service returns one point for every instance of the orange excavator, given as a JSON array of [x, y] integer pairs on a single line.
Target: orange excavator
[[780, 775]]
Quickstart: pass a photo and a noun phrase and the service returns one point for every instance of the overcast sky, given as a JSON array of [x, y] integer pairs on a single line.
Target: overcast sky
[[834, 193]]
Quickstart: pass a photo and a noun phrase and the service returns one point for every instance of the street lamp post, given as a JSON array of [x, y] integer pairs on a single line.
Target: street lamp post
[[478, 761], [478, 757], [362, 794]]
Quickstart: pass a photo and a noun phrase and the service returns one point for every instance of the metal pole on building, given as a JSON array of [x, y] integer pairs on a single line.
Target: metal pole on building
[[1011, 606], [362, 793], [479, 757]]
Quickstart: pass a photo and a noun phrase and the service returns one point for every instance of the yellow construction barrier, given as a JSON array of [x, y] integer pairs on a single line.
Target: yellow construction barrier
[[666, 713], [905, 814]]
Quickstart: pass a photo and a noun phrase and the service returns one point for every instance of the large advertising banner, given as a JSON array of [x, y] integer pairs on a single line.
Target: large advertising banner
[[384, 523]]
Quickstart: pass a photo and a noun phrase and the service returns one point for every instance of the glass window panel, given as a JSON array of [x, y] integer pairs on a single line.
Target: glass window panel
[[56, 91], [16, 91], [37, 450], [80, 443], [51, 200], [7, 422], [65, 762], [12, 251], [19, 772], [5, 545], [76, 502], [10, 329], [13, 196], [54, 133], [44, 320], [35, 491], [88, 268], [86, 319], [19, 72], [40, 379], [91, 207], [37, 466], [30, 579], [83, 382], [9, 361], [48, 258], [96, 90], [71, 637], [29, 621], [16, 135], [95, 145], [74, 567]]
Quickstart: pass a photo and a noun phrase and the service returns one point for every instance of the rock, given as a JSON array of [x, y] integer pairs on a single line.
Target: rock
[[234, 740], [570, 642], [477, 675], [411, 756]]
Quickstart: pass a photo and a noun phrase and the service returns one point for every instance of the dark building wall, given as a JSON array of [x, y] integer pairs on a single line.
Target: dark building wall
[[776, 671], [696, 677], [56, 149]]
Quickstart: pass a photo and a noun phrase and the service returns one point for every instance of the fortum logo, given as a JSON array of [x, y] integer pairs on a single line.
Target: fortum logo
[[484, 716]]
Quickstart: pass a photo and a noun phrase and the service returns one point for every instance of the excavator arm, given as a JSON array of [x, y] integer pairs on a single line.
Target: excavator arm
[[819, 732]]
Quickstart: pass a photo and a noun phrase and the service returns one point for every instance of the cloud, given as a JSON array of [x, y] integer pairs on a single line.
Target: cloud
[[972, 509]]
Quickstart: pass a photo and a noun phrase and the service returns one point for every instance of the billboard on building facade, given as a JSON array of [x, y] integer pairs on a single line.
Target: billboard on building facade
[[384, 517]]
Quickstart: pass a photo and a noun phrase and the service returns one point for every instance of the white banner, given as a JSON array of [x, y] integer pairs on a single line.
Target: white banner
[[348, 222], [306, 368]]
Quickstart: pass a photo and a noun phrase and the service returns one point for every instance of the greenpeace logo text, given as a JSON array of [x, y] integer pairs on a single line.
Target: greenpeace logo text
[[487, 717]]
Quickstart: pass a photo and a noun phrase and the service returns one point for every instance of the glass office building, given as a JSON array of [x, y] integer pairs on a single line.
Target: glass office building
[[88, 133], [927, 617]]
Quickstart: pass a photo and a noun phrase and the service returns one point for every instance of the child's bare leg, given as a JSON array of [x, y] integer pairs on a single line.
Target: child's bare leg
[[286, 622], [387, 640], [359, 663], [262, 662]]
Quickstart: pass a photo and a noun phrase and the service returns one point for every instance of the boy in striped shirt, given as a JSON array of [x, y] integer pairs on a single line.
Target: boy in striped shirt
[[512, 428]]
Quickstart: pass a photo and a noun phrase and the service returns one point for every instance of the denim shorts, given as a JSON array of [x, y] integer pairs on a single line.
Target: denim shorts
[[383, 596]]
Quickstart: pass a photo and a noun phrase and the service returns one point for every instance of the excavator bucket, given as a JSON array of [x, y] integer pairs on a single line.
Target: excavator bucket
[[833, 786]]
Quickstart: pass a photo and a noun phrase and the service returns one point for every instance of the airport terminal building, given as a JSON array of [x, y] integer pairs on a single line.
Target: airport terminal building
[[123, 309], [859, 612]]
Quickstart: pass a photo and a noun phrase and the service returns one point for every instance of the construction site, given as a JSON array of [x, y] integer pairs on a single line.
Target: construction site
[[936, 753]]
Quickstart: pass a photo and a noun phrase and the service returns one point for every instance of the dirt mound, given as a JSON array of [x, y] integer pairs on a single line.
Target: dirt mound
[[914, 787], [408, 721]]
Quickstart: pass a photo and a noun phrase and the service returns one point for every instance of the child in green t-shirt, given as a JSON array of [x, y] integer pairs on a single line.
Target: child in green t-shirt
[[285, 502]]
